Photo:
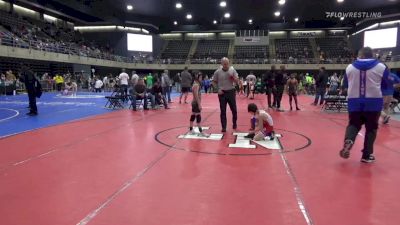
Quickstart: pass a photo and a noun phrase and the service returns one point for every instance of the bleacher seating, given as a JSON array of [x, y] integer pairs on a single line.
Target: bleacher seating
[[296, 48], [177, 50], [251, 52], [40, 67], [333, 47], [214, 49]]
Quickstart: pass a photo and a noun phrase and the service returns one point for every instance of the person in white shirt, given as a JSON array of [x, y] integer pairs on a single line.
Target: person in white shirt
[[98, 85], [124, 78], [134, 78], [105, 82], [251, 82]]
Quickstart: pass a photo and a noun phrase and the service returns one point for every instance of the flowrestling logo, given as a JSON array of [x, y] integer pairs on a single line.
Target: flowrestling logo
[[353, 14]]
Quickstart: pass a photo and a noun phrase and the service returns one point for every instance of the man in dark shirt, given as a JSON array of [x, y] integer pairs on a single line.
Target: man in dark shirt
[[140, 93], [280, 81], [157, 92], [321, 84], [269, 81], [31, 84], [186, 83]]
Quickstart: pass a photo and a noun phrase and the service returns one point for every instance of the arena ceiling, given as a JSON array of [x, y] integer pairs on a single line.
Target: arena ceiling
[[163, 13]]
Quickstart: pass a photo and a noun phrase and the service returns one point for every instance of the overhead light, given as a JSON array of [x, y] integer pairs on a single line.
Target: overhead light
[[390, 22], [250, 21], [228, 34], [215, 22], [24, 9], [82, 28], [296, 19], [341, 18], [129, 7], [175, 23], [128, 28], [189, 16], [282, 2], [171, 35], [277, 13], [227, 15], [48, 17], [222, 4], [178, 5], [340, 1]]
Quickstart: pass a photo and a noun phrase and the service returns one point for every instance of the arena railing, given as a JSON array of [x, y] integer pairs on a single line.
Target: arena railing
[[73, 49]]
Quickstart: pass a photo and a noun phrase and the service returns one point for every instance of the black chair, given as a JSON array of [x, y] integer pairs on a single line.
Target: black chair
[[115, 100]]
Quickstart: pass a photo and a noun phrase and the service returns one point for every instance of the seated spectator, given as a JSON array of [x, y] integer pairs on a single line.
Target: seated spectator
[[139, 92], [157, 92]]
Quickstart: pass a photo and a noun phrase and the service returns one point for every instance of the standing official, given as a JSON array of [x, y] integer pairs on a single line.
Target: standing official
[[225, 78]]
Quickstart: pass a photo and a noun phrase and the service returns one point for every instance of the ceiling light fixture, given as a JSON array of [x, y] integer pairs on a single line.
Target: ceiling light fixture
[[227, 15], [129, 7], [277, 13], [178, 5], [189, 16], [215, 22], [175, 23], [222, 4], [340, 1], [282, 2]]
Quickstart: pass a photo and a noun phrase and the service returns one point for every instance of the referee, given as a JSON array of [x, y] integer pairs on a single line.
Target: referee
[[225, 78]]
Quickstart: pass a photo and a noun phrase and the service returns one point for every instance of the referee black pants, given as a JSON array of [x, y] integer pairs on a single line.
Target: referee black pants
[[228, 97]]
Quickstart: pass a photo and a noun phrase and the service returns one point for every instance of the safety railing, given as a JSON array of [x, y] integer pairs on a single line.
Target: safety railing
[[74, 49]]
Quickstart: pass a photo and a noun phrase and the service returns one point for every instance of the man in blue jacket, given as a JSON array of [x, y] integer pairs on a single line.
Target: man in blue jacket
[[364, 80], [387, 93]]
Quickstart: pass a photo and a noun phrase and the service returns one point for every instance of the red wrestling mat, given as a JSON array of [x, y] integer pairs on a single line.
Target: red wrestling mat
[[131, 168]]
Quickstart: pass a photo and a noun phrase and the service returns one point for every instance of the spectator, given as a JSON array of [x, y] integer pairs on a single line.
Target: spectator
[[280, 81], [149, 81], [98, 85], [177, 80], [334, 82], [166, 85], [123, 78], [321, 83], [388, 93], [364, 79], [59, 81], [134, 78], [269, 81], [140, 93], [186, 82], [159, 97]]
